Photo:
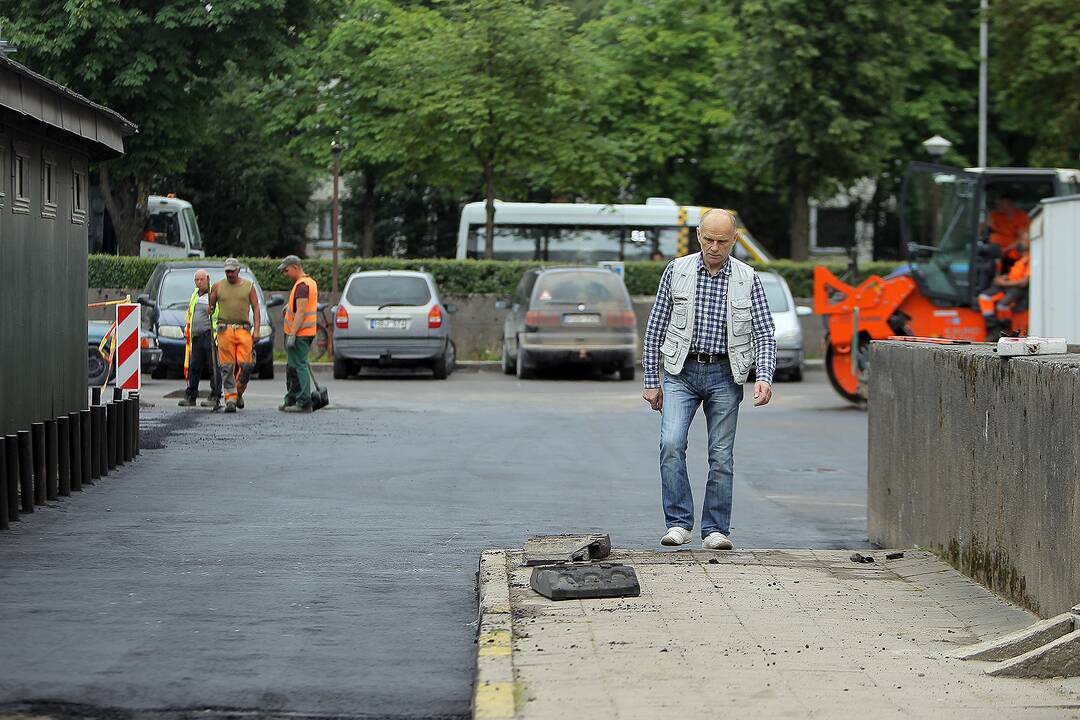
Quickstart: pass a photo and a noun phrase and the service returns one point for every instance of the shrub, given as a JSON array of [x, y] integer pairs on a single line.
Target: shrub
[[455, 277]]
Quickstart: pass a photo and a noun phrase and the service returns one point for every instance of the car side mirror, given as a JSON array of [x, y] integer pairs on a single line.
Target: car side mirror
[[152, 308], [275, 301], [803, 311], [450, 308], [502, 304]]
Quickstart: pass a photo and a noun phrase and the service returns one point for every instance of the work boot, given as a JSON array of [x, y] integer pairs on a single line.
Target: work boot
[[716, 541], [240, 402], [296, 409], [284, 405], [211, 402], [676, 536], [230, 407], [187, 402]]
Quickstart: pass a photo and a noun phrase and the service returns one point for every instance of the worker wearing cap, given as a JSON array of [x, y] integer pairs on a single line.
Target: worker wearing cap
[[301, 319], [234, 301], [997, 301]]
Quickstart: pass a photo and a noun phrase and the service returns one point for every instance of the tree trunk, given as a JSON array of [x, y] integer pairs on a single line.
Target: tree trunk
[[799, 232], [489, 198], [126, 204], [367, 245]]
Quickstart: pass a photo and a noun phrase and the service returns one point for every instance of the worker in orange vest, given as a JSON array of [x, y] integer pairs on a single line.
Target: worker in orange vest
[[301, 318], [997, 301], [1008, 223]]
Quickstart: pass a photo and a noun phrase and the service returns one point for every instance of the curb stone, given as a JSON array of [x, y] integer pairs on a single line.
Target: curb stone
[[494, 693]]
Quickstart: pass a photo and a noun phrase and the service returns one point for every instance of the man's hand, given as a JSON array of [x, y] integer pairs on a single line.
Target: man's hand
[[655, 398], [762, 393], [290, 341]]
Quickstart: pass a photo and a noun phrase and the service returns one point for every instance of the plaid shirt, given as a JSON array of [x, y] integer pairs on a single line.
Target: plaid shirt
[[710, 323]]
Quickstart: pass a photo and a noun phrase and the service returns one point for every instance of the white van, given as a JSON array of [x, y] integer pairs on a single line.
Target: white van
[[171, 229]]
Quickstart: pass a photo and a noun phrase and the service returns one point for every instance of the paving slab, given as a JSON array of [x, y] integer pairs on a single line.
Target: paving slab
[[762, 633]]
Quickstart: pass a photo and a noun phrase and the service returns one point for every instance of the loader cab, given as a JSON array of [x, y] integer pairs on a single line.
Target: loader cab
[[943, 222]]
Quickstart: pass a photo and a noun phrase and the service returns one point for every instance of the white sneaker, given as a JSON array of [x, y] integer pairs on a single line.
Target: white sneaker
[[716, 541], [676, 536]]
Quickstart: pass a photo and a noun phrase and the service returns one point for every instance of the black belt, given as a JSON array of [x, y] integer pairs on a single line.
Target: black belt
[[707, 358]]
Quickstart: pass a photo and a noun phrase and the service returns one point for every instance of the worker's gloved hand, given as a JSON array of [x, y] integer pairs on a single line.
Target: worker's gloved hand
[[290, 341]]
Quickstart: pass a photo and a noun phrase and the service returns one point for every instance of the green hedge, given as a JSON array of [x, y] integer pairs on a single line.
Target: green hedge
[[455, 277]]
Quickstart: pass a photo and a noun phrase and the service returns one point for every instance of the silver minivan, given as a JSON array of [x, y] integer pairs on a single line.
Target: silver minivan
[[392, 318]]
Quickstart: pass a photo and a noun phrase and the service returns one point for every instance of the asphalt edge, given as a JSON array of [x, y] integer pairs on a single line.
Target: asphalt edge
[[494, 693]]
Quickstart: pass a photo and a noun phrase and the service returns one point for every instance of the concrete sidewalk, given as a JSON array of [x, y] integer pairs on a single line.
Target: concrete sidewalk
[[761, 633]]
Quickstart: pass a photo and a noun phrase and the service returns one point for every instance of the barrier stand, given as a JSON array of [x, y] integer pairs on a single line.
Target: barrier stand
[[120, 408], [75, 450], [97, 443], [110, 436], [86, 449], [63, 456], [52, 463], [26, 471], [138, 421], [11, 461], [37, 439], [3, 485]]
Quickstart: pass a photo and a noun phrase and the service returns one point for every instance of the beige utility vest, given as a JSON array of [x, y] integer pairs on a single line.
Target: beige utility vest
[[680, 330]]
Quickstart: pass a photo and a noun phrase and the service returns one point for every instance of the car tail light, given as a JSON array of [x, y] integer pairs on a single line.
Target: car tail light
[[144, 342], [341, 317], [621, 319], [540, 318], [434, 318]]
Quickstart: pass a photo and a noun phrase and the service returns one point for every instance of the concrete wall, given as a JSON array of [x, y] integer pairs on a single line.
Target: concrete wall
[[477, 326], [978, 459]]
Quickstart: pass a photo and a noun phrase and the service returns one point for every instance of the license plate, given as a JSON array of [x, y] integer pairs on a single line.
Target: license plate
[[389, 324], [581, 319]]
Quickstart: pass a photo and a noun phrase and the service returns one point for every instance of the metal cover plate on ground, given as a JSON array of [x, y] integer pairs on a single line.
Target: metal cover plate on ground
[[596, 580]]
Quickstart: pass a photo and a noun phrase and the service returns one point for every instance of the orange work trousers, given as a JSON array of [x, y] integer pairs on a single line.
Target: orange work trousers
[[236, 358]]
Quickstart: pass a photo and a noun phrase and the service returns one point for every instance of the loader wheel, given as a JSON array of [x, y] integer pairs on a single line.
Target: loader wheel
[[838, 368]]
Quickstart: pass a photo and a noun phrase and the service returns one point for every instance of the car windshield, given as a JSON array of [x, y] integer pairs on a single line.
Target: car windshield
[[378, 290], [774, 293], [581, 288], [177, 285]]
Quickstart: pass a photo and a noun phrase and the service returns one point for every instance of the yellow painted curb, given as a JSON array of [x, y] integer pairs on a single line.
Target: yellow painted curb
[[494, 700], [494, 644]]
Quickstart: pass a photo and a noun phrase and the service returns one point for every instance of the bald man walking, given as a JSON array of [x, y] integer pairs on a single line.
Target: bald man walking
[[709, 325], [200, 331]]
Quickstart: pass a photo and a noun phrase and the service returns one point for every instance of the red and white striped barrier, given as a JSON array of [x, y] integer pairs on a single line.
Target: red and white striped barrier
[[128, 357]]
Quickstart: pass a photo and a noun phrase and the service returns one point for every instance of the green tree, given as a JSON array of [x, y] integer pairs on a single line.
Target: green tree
[[817, 88], [499, 88], [1034, 66], [157, 63]]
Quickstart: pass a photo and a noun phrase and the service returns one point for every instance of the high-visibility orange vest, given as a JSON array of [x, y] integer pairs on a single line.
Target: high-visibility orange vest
[[302, 322], [1021, 269]]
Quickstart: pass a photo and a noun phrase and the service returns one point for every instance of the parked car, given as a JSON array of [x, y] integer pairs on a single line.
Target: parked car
[[392, 318], [569, 315], [169, 290], [98, 370], [789, 339]]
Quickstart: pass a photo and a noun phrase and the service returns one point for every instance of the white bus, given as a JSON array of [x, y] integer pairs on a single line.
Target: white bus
[[584, 234]]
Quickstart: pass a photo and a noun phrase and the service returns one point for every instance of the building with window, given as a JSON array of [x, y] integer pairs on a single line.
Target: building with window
[[49, 136]]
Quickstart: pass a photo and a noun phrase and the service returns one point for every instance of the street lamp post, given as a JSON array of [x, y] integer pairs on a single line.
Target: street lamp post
[[936, 146], [335, 150]]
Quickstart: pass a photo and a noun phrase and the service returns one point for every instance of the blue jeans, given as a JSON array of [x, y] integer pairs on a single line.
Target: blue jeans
[[711, 385]]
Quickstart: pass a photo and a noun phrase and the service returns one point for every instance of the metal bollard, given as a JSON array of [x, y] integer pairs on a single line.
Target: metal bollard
[[97, 444], [37, 438], [138, 418], [84, 447], [52, 460], [3, 485], [11, 461], [110, 436], [95, 396], [129, 430], [75, 449], [63, 456], [117, 394], [26, 471], [121, 430]]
